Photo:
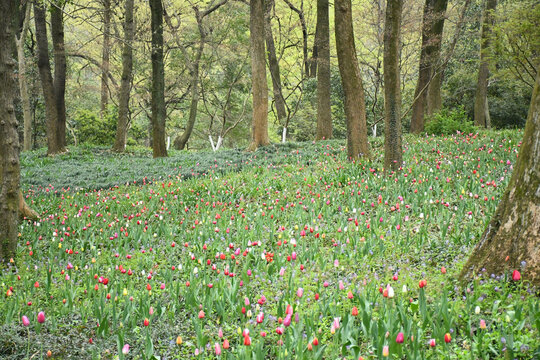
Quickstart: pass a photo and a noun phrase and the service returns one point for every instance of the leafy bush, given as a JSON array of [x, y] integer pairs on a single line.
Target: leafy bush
[[90, 128], [447, 122]]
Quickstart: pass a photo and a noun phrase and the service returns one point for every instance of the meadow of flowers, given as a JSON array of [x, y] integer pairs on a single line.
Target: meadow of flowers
[[291, 252]]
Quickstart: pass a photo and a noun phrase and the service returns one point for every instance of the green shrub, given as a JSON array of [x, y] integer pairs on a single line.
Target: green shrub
[[448, 122], [91, 129]]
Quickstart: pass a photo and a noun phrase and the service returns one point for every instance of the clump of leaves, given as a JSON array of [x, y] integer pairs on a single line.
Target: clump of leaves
[[448, 122]]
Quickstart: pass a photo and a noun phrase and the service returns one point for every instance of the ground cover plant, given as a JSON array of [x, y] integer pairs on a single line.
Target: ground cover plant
[[289, 252]]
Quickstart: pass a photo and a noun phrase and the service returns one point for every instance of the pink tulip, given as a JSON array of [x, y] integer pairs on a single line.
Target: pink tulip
[[125, 349], [25, 320], [300, 292], [400, 338], [41, 317], [217, 348]]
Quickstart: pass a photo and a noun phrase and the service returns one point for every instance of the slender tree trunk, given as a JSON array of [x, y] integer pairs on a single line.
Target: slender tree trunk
[[181, 141], [433, 97], [105, 56], [259, 130], [158, 81], [301, 17], [392, 87], [432, 29], [57, 33], [480, 99], [51, 113], [324, 111], [127, 75], [355, 106], [273, 64], [512, 238], [23, 82], [9, 139], [314, 53]]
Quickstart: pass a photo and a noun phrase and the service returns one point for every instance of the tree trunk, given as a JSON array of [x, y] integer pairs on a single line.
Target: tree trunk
[[432, 29], [51, 114], [512, 238], [181, 141], [300, 12], [480, 99], [23, 82], [259, 130], [158, 81], [392, 87], [9, 139], [105, 56], [324, 111], [355, 106], [434, 100], [314, 54], [127, 75], [273, 64], [57, 34]]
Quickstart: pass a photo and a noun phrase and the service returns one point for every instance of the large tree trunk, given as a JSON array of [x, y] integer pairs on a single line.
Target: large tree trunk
[[105, 56], [9, 140], [158, 81], [324, 111], [355, 106], [23, 82], [57, 34], [480, 99], [432, 29], [51, 113], [259, 129], [514, 230], [273, 64], [314, 54], [125, 86], [433, 97], [392, 87]]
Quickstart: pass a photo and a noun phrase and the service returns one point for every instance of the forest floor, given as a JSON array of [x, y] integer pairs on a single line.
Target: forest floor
[[287, 252]]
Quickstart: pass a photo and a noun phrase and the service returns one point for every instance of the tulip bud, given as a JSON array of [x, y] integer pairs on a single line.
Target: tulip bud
[[41, 317], [400, 337]]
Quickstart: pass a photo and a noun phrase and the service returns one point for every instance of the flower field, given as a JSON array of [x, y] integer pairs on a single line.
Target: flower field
[[290, 252]]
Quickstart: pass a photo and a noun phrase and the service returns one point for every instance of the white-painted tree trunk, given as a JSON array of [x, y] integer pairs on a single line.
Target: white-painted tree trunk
[[375, 130], [284, 135]]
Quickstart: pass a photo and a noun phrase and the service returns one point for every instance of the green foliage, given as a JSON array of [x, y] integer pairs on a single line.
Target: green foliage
[[91, 129], [448, 122]]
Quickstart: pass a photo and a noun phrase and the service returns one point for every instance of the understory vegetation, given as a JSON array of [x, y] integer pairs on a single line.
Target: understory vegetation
[[287, 252]]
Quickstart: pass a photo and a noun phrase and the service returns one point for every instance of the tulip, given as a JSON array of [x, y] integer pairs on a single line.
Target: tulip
[[315, 341], [516, 276], [25, 320], [385, 351], [41, 317], [482, 324], [179, 340], [217, 349], [247, 340], [300, 292], [287, 320], [447, 338], [400, 338], [260, 318], [125, 349], [422, 283], [432, 343], [390, 292], [220, 333], [225, 344], [201, 314], [279, 331], [146, 322], [354, 311]]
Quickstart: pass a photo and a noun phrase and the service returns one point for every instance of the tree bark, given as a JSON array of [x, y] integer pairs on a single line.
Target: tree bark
[[57, 34], [51, 113], [23, 82], [432, 29], [127, 76], [355, 106], [158, 81], [314, 54], [105, 57], [324, 111], [433, 97], [259, 129], [480, 99], [9, 139], [512, 238], [273, 64], [392, 87], [303, 25]]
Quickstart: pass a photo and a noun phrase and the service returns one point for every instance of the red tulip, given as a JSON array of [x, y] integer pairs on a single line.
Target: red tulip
[[422, 283], [146, 322], [354, 311], [247, 340], [516, 276], [447, 338]]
